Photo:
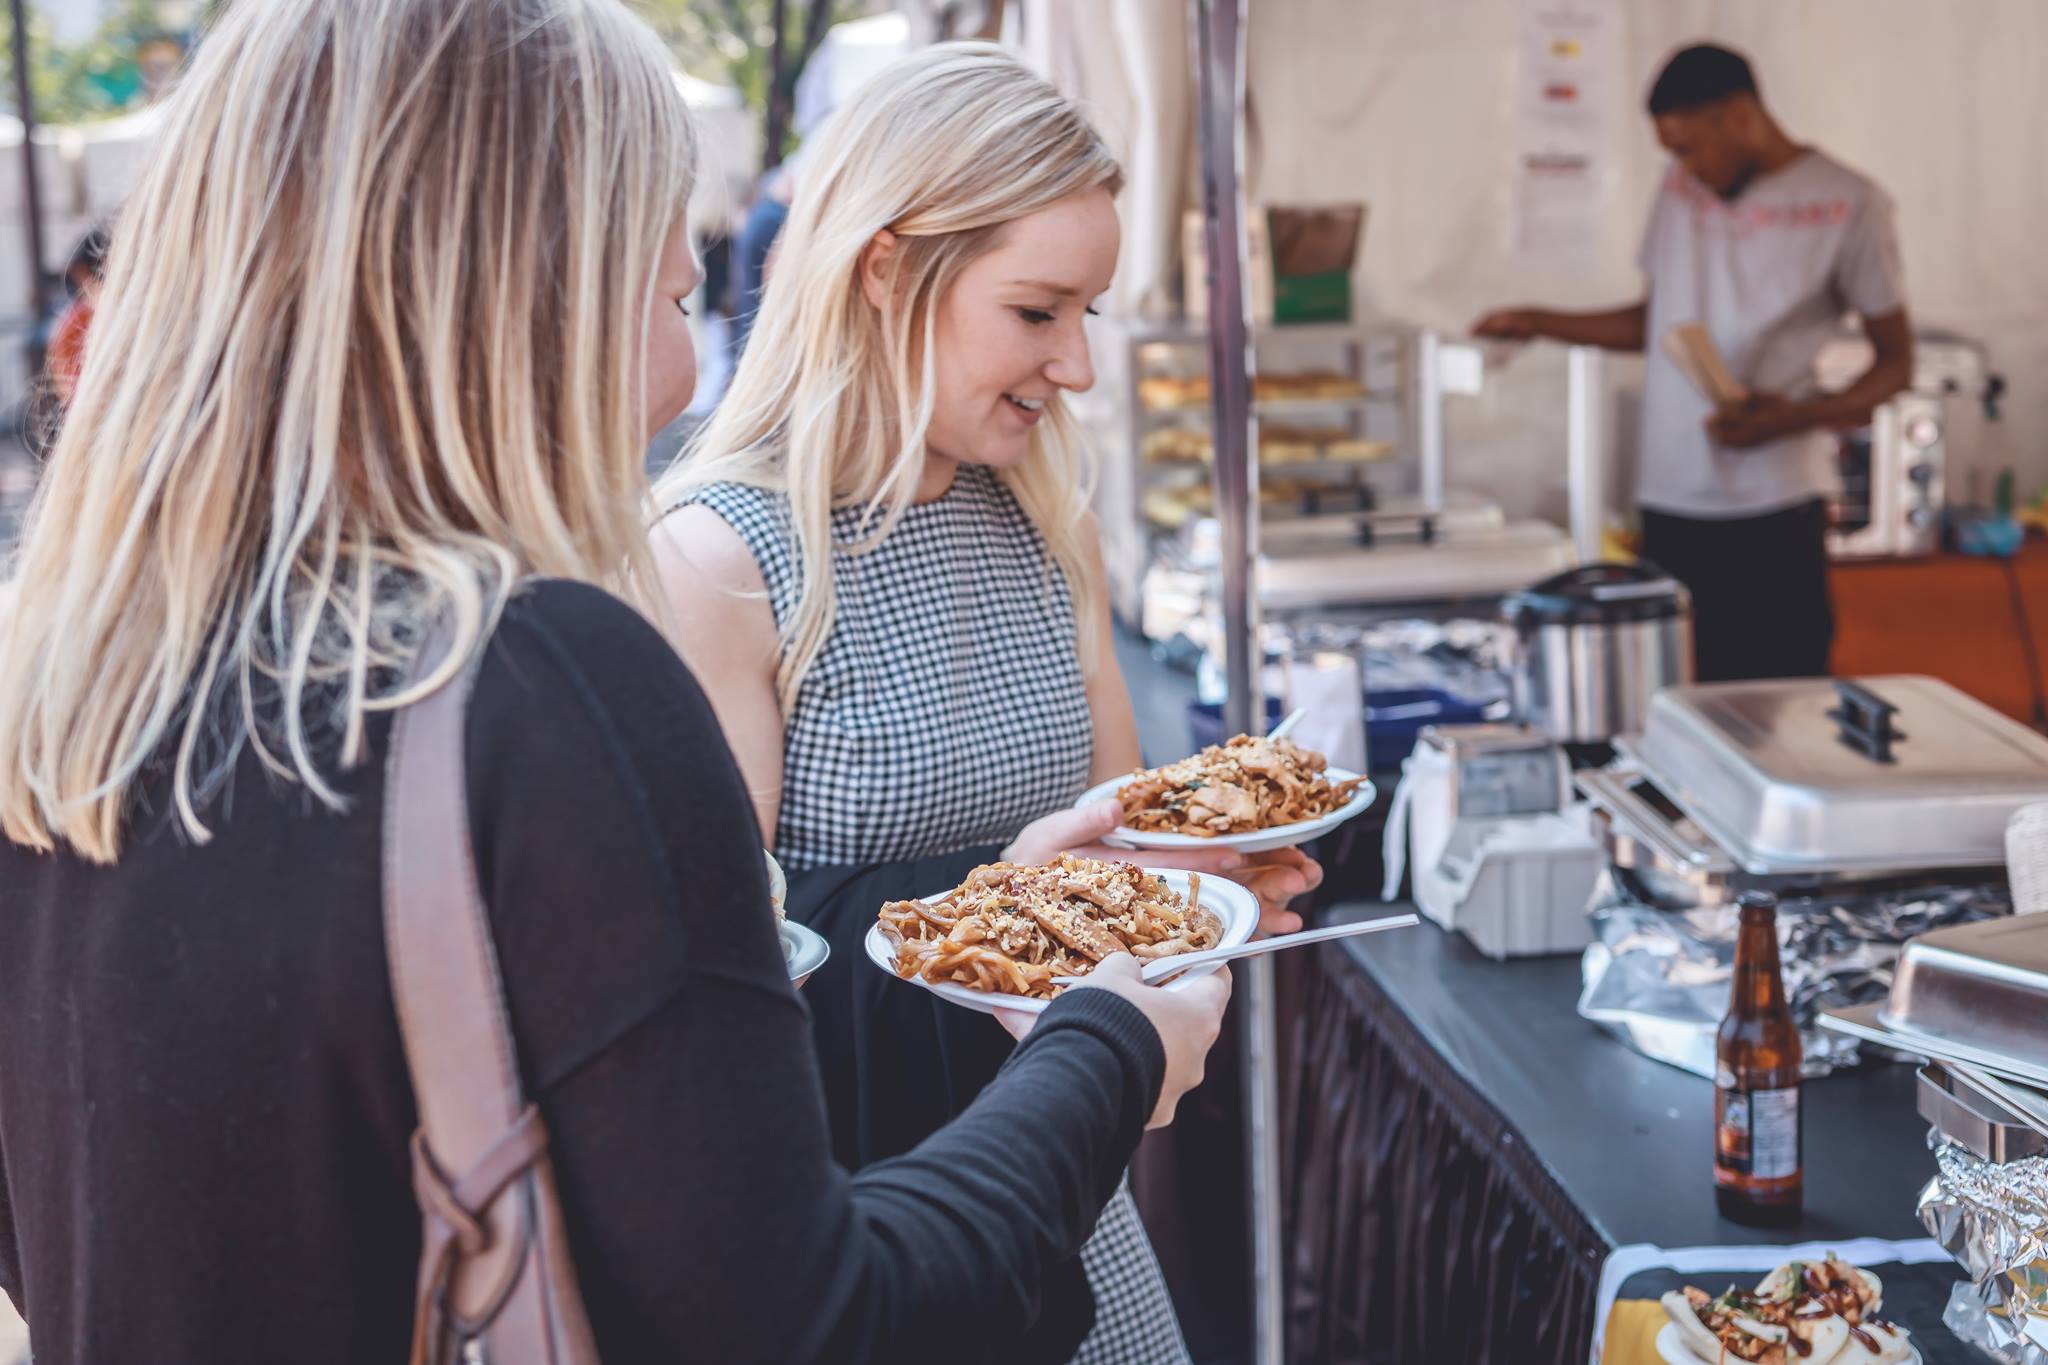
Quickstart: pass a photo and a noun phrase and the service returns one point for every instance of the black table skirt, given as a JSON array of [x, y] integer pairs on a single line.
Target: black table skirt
[[1421, 1227]]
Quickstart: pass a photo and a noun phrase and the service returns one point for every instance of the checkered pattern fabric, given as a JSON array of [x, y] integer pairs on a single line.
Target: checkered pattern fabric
[[1134, 1321], [947, 707]]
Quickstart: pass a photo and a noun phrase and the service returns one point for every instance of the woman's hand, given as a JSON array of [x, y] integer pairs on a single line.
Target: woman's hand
[[1276, 877], [1080, 831], [1188, 1019]]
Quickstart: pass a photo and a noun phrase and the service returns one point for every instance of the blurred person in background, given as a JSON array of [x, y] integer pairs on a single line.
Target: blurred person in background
[[759, 231], [1767, 243], [82, 277], [63, 339]]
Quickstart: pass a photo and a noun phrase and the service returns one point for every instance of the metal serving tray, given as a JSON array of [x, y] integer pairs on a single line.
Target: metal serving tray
[[1967, 1115], [1984, 986], [1669, 859], [1774, 774], [1860, 1021]]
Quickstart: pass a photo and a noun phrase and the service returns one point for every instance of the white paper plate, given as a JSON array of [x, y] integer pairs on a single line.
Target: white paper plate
[[803, 949], [1228, 901], [1253, 841], [1671, 1345]]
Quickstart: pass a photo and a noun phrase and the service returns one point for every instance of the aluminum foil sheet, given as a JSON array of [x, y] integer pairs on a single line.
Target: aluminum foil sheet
[[1660, 978], [1994, 1220]]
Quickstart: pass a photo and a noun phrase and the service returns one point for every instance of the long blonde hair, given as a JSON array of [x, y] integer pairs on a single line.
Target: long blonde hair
[[831, 403], [370, 349]]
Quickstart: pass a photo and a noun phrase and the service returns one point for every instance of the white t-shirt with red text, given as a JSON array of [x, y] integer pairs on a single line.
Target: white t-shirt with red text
[[1770, 275]]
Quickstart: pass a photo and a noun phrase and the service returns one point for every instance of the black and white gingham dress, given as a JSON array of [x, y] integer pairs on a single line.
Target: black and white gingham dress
[[947, 709]]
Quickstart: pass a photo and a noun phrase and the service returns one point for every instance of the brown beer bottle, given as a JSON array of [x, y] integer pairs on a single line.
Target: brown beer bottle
[[1757, 1142]]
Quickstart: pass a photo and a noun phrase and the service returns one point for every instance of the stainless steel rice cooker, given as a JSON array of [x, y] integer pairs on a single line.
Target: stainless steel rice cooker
[[1594, 644]]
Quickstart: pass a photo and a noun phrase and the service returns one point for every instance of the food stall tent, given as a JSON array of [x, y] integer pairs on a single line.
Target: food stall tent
[[1411, 106]]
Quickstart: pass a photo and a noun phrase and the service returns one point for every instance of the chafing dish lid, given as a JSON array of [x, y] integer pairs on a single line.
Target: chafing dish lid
[[1765, 769], [1983, 986], [1605, 593]]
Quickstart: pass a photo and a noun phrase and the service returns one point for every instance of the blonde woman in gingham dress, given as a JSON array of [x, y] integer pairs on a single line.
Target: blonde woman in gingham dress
[[879, 560]]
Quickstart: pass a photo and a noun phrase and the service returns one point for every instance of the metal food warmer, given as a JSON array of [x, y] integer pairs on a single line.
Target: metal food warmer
[[1875, 809], [1973, 1001], [1811, 784]]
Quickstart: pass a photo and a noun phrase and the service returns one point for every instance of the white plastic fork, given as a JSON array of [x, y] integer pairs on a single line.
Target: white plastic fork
[[1293, 718], [1160, 968]]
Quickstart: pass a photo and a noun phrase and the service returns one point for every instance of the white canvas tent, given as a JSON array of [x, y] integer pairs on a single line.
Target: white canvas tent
[[728, 149], [1411, 106], [848, 54]]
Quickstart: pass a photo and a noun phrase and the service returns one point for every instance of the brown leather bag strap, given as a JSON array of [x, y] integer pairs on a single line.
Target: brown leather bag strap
[[495, 1280]]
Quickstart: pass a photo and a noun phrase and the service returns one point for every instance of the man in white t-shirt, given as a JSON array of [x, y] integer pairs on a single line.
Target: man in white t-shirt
[[1768, 245]]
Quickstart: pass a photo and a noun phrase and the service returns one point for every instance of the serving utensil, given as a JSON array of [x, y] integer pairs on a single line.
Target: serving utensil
[[1293, 719], [1161, 968]]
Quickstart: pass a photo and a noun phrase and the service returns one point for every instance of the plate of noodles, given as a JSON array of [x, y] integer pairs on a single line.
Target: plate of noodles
[[1250, 794], [996, 940]]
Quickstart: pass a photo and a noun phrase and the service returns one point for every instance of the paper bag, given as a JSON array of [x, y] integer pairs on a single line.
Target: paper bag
[[1699, 360]]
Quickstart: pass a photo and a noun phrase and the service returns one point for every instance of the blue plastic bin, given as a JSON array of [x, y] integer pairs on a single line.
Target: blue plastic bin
[[1395, 717]]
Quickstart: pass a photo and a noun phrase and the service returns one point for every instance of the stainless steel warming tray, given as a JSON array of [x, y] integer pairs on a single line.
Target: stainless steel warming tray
[[1876, 808], [1978, 1121], [1876, 777], [1983, 986]]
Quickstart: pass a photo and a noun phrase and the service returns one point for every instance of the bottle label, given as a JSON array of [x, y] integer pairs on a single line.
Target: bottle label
[[1757, 1132]]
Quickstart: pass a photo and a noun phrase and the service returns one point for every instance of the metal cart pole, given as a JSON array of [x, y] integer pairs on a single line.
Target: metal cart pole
[[1219, 77], [1429, 418], [31, 186], [1586, 450]]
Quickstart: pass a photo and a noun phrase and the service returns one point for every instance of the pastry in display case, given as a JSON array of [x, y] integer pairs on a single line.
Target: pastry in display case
[[1164, 392], [1279, 443]]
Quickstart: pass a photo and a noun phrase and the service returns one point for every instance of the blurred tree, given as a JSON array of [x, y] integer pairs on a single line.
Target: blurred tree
[[760, 46], [42, 76], [114, 70]]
